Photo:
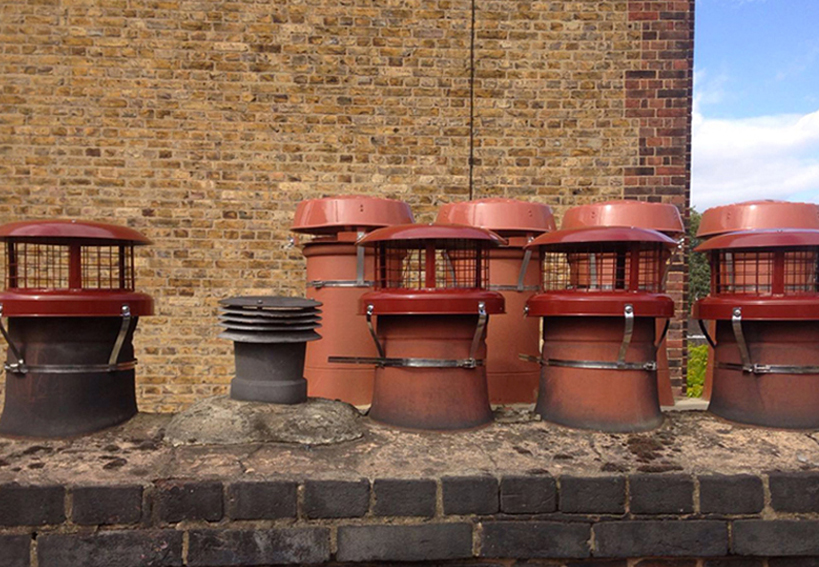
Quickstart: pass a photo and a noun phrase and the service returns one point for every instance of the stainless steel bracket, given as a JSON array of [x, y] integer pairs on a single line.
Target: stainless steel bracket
[[628, 332], [619, 364], [70, 368], [524, 266], [769, 368], [508, 287], [408, 362], [123, 332], [378, 345], [736, 325], [382, 361], [747, 366], [318, 284], [711, 342], [19, 366], [591, 364], [359, 261], [479, 329]]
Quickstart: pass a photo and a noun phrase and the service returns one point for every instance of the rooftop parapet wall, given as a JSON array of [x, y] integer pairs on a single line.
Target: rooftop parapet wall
[[511, 491], [202, 128]]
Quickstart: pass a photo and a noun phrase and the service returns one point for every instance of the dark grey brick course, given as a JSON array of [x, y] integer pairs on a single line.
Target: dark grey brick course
[[100, 505], [15, 550], [149, 548], [404, 497], [672, 538], [661, 494], [734, 494], [794, 492], [262, 500], [766, 538], [593, 495], [528, 494], [177, 500], [532, 539], [470, 494], [31, 505], [223, 548], [428, 542], [336, 498]]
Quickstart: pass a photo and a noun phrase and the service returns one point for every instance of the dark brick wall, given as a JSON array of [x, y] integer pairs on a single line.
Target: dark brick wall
[[688, 521]]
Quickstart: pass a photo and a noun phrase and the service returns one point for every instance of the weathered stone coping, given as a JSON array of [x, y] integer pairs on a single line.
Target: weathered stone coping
[[697, 487]]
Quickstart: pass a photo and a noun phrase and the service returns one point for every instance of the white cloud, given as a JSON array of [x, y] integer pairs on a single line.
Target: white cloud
[[767, 157]]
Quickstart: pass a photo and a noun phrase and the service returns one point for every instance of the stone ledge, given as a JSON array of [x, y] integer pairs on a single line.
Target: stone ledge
[[455, 497]]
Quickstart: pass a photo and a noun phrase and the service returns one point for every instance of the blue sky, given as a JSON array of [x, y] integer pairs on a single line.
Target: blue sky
[[756, 101]]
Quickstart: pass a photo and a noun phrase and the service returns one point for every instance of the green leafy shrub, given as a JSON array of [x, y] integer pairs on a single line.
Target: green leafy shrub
[[697, 359]]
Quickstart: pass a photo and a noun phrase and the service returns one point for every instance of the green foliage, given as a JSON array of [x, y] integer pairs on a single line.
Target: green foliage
[[697, 359], [699, 272]]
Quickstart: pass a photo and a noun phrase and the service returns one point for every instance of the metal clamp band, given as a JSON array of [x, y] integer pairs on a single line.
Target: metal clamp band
[[593, 364], [20, 364], [69, 368], [318, 284], [769, 368], [507, 287], [408, 362]]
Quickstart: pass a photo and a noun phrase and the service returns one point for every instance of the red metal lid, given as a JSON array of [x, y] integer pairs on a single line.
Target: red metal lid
[[74, 303], [769, 238], [505, 216], [431, 232], [334, 214], [753, 215], [599, 304], [758, 308], [67, 230], [431, 301], [610, 234], [662, 217]]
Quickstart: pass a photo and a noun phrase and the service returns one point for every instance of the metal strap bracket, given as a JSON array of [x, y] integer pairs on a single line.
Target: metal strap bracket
[[19, 366], [479, 329], [524, 267], [359, 261], [628, 332], [318, 284], [382, 361], [619, 364], [378, 345], [708, 337], [736, 325], [123, 332], [408, 362], [747, 365]]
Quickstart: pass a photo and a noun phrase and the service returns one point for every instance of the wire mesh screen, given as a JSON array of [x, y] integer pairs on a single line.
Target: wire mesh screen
[[107, 267], [428, 264], [36, 266], [788, 272], [605, 268], [51, 266]]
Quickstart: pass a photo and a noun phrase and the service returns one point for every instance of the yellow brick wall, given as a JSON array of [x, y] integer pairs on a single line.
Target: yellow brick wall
[[203, 124]]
